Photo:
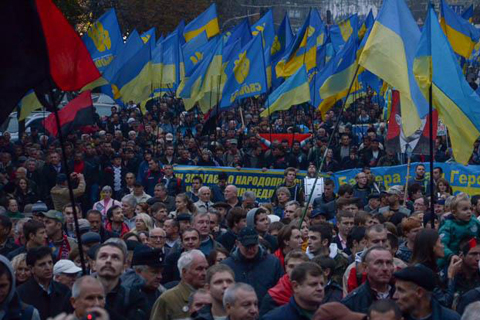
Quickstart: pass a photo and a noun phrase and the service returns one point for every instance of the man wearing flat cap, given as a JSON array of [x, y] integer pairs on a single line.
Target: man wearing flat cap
[[413, 294], [148, 264]]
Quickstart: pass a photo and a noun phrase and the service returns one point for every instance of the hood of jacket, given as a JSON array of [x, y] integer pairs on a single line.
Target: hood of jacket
[[11, 293], [251, 217]]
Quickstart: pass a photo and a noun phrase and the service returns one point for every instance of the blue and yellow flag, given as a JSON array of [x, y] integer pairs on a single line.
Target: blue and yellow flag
[[28, 104], [167, 62], [282, 40], [192, 55], [239, 32], [149, 35], [336, 86], [462, 35], [104, 39], [134, 79], [366, 25], [304, 49], [293, 91], [389, 53], [457, 104], [341, 33], [264, 27], [207, 21], [468, 14], [248, 76], [207, 78]]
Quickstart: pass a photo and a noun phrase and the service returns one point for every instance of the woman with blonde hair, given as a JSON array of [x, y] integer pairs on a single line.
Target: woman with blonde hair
[[107, 201], [143, 223], [20, 269]]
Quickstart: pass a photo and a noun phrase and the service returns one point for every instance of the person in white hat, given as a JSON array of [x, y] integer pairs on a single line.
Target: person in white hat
[[66, 272]]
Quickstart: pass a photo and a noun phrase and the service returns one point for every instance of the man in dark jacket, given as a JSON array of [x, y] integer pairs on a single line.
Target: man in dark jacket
[[12, 306], [379, 269], [121, 302], [413, 294], [308, 292], [41, 291], [174, 185], [7, 244], [250, 261]]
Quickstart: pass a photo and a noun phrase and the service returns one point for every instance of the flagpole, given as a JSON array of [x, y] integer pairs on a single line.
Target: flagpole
[[430, 118], [330, 140], [69, 183]]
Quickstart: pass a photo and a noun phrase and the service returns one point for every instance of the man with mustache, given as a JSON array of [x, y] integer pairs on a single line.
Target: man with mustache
[[121, 302]]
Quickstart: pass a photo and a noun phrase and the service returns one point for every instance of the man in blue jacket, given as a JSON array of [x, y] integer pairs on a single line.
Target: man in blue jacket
[[308, 292], [252, 264]]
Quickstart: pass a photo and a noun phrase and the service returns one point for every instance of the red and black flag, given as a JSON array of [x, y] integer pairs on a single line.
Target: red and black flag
[[40, 51], [77, 113]]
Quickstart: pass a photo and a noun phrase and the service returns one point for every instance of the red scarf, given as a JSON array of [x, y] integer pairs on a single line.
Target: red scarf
[[282, 291], [281, 257]]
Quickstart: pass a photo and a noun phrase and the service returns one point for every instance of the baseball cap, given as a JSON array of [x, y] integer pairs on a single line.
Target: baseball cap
[[248, 237], [65, 266], [54, 214], [38, 208], [169, 137], [89, 238], [315, 213], [420, 275], [395, 190], [146, 256], [337, 311]]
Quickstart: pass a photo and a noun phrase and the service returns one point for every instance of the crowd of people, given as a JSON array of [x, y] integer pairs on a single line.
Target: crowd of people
[[145, 247]]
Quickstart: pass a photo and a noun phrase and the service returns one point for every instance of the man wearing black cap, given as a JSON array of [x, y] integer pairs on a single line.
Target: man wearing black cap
[[413, 294], [148, 264], [373, 202], [249, 261]]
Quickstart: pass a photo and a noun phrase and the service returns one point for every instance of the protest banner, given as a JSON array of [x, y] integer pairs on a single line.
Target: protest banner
[[263, 183]]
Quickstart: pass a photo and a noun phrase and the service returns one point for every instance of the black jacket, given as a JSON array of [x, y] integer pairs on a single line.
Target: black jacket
[[9, 246], [362, 298], [469, 297], [289, 311], [48, 304], [126, 303]]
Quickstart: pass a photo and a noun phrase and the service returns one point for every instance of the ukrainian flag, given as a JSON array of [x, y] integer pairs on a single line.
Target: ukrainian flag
[[457, 104], [293, 91], [462, 35], [134, 79], [389, 53], [304, 49], [28, 104], [336, 86], [167, 65], [341, 33], [207, 21], [248, 76], [104, 39]]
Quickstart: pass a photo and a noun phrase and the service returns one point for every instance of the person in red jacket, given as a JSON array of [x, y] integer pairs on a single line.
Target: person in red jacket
[[281, 293]]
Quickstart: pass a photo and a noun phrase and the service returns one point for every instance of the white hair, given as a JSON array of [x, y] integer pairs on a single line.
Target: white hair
[[472, 311], [230, 295], [187, 258]]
